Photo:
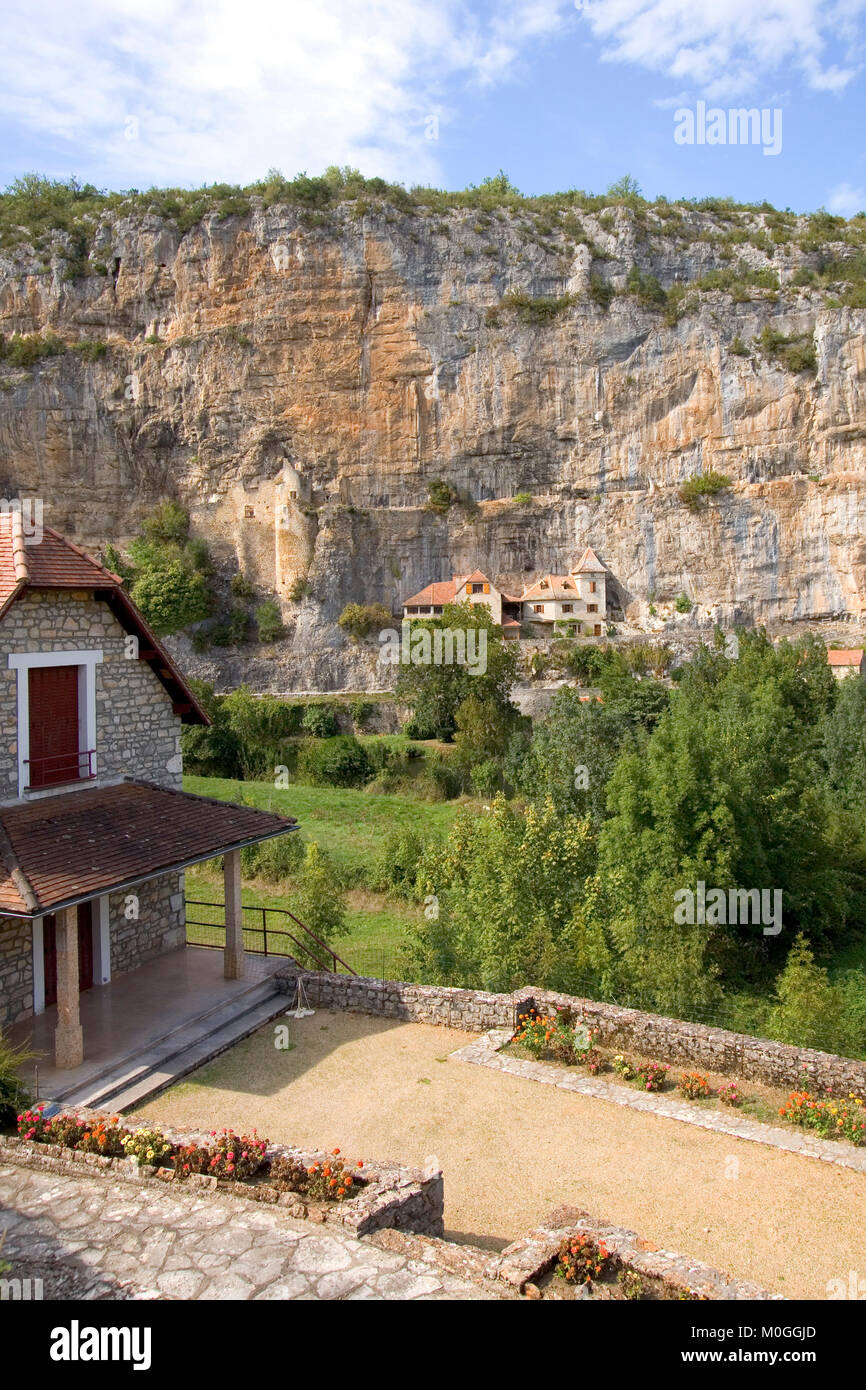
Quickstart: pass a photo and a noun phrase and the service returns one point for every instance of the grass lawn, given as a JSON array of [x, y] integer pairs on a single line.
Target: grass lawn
[[350, 825]]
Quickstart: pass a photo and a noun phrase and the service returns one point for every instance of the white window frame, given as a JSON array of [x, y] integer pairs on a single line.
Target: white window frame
[[87, 662]]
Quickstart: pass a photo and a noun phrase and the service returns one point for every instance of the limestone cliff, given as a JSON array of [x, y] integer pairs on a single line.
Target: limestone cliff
[[298, 382]]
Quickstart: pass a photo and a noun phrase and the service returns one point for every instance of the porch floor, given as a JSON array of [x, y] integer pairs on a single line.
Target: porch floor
[[132, 1013]]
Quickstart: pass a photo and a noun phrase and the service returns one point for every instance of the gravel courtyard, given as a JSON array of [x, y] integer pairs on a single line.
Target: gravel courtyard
[[512, 1149]]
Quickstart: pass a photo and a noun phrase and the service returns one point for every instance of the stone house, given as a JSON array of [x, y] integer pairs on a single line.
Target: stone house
[[95, 830], [847, 663], [577, 599]]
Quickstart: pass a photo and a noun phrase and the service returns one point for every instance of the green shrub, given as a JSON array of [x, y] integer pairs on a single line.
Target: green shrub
[[538, 310], [242, 587], [171, 597], [299, 589], [441, 497], [396, 867], [320, 721], [646, 289], [360, 619], [280, 859], [810, 1011], [701, 485], [90, 349], [28, 349], [795, 354], [600, 292], [522, 499], [13, 1094], [168, 523], [269, 621], [319, 900], [234, 630], [360, 711], [738, 348], [683, 603], [336, 761]]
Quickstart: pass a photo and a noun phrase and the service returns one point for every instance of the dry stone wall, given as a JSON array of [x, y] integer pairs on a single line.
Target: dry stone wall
[[16, 970], [666, 1039]]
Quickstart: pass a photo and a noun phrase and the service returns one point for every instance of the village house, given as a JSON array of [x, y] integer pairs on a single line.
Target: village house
[[577, 600], [847, 663], [471, 588], [95, 831]]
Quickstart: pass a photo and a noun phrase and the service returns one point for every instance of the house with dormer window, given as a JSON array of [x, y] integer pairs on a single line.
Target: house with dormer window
[[95, 829]]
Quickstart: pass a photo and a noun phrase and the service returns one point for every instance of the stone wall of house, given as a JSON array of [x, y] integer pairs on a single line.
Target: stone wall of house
[[137, 733], [159, 926], [650, 1035], [16, 970]]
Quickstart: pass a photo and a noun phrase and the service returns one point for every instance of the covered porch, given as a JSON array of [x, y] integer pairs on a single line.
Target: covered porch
[[91, 855], [142, 1019]]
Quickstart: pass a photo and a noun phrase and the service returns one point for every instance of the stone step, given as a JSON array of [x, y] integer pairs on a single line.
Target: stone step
[[182, 1050]]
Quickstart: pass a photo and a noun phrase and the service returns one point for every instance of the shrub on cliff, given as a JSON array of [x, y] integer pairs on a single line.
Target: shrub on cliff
[[269, 621], [320, 720], [171, 597], [358, 620], [701, 485]]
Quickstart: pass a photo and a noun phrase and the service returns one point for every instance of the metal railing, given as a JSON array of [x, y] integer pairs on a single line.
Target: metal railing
[[206, 926], [58, 768]]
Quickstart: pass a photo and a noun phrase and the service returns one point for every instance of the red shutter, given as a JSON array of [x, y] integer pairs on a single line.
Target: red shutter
[[54, 738]]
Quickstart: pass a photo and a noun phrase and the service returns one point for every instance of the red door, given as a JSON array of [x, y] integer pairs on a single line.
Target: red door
[[85, 952], [54, 744]]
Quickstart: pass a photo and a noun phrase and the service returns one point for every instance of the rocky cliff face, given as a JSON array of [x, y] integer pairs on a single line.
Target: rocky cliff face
[[299, 386]]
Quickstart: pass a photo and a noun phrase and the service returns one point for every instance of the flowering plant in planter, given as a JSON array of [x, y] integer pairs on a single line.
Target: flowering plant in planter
[[32, 1125], [580, 1260], [693, 1085], [623, 1067], [232, 1156], [833, 1118], [147, 1146], [104, 1137], [328, 1181], [730, 1094], [653, 1075]]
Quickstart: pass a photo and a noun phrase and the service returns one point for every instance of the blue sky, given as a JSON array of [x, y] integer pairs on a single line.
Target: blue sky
[[127, 93]]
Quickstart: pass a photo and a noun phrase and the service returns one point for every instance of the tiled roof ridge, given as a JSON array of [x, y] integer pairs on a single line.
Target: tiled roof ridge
[[84, 555], [9, 860], [19, 549], [197, 796]]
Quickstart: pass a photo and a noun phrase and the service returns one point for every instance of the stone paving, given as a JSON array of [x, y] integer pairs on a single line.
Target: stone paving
[[486, 1053], [91, 1237]]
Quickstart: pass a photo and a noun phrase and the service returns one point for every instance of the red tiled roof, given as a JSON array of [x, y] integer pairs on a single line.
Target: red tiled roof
[[850, 657], [433, 595], [62, 849], [588, 563], [56, 563], [552, 587]]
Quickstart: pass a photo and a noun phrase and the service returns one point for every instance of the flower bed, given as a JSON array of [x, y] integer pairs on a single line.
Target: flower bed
[[310, 1185], [563, 1038]]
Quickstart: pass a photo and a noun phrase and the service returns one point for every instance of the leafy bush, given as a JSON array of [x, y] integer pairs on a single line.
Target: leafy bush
[[538, 310], [277, 860], [171, 597], [320, 720], [300, 588], [90, 349], [168, 524], [701, 485], [269, 621], [600, 292], [683, 603], [360, 710], [360, 619], [338, 761], [319, 901], [522, 499], [13, 1094], [809, 1010], [28, 349], [242, 587], [796, 354], [646, 289], [441, 497], [396, 867]]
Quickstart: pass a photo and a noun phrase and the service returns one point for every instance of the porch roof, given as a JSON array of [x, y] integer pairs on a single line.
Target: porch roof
[[64, 849]]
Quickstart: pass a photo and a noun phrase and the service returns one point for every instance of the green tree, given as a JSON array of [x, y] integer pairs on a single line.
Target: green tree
[[434, 693], [810, 1011], [572, 754], [319, 899], [844, 744], [501, 897], [171, 596]]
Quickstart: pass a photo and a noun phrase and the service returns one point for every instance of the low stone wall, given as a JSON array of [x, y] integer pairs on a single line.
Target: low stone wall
[[693, 1045], [392, 1198]]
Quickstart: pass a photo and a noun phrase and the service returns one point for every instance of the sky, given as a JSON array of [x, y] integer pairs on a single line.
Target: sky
[[558, 93]]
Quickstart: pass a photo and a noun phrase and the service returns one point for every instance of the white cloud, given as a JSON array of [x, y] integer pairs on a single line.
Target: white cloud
[[845, 200], [726, 46], [194, 90]]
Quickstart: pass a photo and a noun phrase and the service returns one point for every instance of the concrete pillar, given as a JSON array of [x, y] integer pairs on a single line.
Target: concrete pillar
[[68, 1037], [234, 948]]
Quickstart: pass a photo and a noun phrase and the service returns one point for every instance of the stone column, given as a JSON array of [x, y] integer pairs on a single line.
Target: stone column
[[68, 1037], [234, 949]]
